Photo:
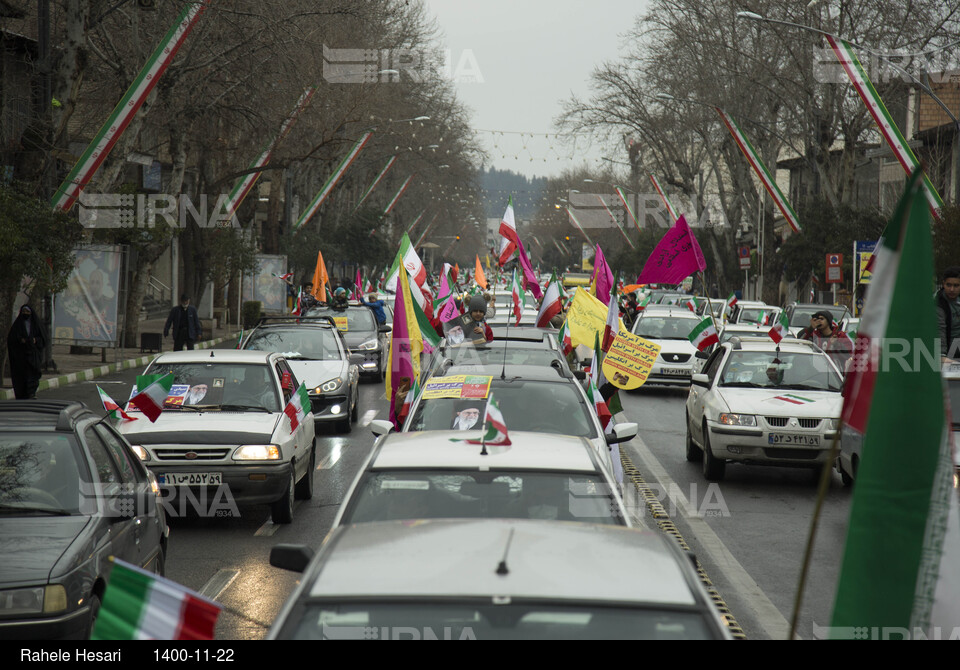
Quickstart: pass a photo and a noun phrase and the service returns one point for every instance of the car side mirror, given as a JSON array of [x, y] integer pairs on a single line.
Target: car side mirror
[[622, 432], [700, 380], [580, 374], [381, 427], [702, 354], [293, 557], [385, 329]]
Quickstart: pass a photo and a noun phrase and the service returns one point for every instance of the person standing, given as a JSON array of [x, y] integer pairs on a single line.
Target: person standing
[[828, 336], [478, 312], [25, 344], [185, 322], [948, 312]]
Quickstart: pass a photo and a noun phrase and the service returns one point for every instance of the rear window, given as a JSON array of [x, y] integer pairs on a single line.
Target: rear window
[[38, 472], [358, 319], [318, 344]]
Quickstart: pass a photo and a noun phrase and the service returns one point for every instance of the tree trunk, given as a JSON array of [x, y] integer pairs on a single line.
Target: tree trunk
[[8, 294]]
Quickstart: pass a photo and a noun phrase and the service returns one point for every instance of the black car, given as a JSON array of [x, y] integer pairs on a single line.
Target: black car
[[362, 333], [72, 494]]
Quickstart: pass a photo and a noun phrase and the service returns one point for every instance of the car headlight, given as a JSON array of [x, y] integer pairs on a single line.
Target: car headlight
[[140, 451], [738, 419], [833, 424], [257, 452], [34, 600], [369, 345], [328, 386]]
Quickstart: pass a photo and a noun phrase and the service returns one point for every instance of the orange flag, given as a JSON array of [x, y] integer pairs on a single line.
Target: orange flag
[[320, 279], [479, 277]]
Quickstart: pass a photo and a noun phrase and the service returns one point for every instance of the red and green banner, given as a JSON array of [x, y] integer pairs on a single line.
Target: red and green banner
[[666, 201], [768, 180], [332, 181], [105, 139], [626, 205], [366, 194], [616, 224], [576, 224], [393, 202]]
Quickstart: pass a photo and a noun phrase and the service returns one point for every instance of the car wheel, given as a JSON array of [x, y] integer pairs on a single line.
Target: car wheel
[[304, 488], [160, 563], [282, 510], [713, 468], [693, 452], [848, 478], [94, 613]]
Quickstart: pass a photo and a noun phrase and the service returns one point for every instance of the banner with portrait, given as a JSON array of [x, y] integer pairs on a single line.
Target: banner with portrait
[[266, 286], [86, 312]]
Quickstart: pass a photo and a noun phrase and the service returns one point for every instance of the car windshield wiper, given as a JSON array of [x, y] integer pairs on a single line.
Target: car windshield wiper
[[805, 387], [53, 511], [192, 408], [241, 408], [302, 358], [743, 385]]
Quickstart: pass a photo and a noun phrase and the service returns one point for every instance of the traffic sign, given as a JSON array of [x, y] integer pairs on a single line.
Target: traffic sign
[[834, 268], [744, 253]]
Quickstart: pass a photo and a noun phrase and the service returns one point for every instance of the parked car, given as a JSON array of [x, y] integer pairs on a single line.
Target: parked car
[[760, 403], [317, 354], [235, 436], [72, 495], [494, 579]]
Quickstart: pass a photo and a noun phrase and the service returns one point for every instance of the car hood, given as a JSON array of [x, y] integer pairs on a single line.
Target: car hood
[[32, 545], [314, 373], [675, 346], [187, 427], [783, 402]]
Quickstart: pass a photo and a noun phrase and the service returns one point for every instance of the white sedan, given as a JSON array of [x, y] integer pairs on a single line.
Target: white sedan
[[762, 404], [671, 330]]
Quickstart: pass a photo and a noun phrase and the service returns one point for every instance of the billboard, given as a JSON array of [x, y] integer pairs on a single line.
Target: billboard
[[266, 285], [86, 312]]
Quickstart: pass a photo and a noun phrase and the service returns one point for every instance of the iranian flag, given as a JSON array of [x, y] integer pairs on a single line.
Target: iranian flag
[[781, 328], [612, 326], [519, 299], [508, 231], [409, 398], [407, 256], [704, 335], [113, 410], [692, 304], [599, 406], [899, 569], [563, 337], [732, 300], [150, 400], [298, 407], [139, 605], [495, 432], [551, 305]]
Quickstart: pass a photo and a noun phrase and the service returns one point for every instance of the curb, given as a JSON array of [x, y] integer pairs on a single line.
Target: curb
[[93, 373]]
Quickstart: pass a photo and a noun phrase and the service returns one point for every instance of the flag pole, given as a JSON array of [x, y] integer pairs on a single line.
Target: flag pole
[[713, 319]]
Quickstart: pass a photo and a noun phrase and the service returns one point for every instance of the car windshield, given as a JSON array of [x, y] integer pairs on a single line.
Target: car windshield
[[350, 320], [40, 474], [801, 315], [213, 384], [317, 344], [410, 494], [483, 621], [765, 369], [662, 327], [757, 315], [543, 407]]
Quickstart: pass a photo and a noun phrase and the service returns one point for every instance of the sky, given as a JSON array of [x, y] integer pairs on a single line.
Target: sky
[[531, 55]]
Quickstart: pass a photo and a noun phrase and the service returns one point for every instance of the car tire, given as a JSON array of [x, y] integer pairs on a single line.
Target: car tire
[[93, 614], [713, 468], [160, 563], [281, 511], [693, 452], [848, 478], [304, 488]]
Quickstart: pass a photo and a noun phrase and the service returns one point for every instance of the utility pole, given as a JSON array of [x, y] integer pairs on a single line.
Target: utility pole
[[46, 182]]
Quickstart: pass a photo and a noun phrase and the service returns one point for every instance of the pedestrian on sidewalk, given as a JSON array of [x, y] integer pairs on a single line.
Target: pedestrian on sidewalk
[[948, 312], [25, 343], [186, 324]]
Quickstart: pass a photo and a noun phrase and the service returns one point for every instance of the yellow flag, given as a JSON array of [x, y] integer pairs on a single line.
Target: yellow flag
[[586, 319]]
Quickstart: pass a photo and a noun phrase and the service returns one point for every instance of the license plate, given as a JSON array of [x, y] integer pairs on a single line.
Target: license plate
[[675, 372], [803, 440], [191, 478]]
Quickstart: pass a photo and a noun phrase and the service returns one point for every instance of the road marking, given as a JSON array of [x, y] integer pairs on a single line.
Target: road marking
[[774, 624], [331, 459], [219, 583], [267, 529], [368, 416]]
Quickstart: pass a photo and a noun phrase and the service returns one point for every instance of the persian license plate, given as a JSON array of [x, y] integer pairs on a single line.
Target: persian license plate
[[802, 440], [191, 478], [675, 372]]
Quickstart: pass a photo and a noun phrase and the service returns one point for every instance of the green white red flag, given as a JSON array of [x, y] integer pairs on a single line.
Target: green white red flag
[[519, 298], [495, 432], [768, 180], [105, 139], [612, 325], [563, 337], [704, 335], [692, 304], [332, 180], [576, 224], [885, 123], [298, 407], [407, 256], [396, 198], [732, 300], [508, 233], [781, 328], [671, 210], [899, 572], [139, 605], [379, 178], [113, 410], [626, 206], [551, 305], [150, 400]]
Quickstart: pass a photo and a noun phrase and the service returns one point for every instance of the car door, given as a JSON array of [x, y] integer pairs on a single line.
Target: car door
[[698, 394], [302, 438]]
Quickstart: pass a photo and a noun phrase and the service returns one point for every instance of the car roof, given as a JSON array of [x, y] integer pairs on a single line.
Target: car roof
[[551, 560], [787, 345], [216, 355], [511, 371], [529, 451], [671, 310], [45, 414], [524, 333]]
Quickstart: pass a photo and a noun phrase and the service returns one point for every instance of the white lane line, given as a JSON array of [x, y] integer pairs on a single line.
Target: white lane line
[[766, 613], [267, 529], [331, 459], [368, 416], [219, 583]]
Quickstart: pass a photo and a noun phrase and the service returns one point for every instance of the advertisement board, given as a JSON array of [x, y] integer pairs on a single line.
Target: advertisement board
[[86, 312]]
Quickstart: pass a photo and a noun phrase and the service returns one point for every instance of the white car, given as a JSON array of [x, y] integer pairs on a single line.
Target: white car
[[429, 476], [235, 435], [494, 579], [759, 404], [671, 330]]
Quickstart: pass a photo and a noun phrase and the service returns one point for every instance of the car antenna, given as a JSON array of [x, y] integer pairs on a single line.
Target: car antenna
[[506, 340], [211, 353], [502, 569]]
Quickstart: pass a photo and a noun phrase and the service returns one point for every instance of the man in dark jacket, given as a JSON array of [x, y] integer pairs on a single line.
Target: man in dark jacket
[[186, 324], [25, 343], [948, 313]]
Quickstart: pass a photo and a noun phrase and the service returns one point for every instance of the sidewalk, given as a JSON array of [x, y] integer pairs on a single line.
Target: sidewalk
[[72, 368]]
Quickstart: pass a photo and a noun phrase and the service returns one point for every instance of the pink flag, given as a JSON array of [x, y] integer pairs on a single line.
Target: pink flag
[[449, 310], [358, 286], [529, 277], [676, 257], [603, 277]]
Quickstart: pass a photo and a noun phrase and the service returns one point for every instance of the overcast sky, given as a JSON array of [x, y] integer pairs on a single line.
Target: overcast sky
[[531, 55]]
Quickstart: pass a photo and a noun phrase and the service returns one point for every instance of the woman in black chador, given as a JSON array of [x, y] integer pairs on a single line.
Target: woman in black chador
[[25, 345]]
